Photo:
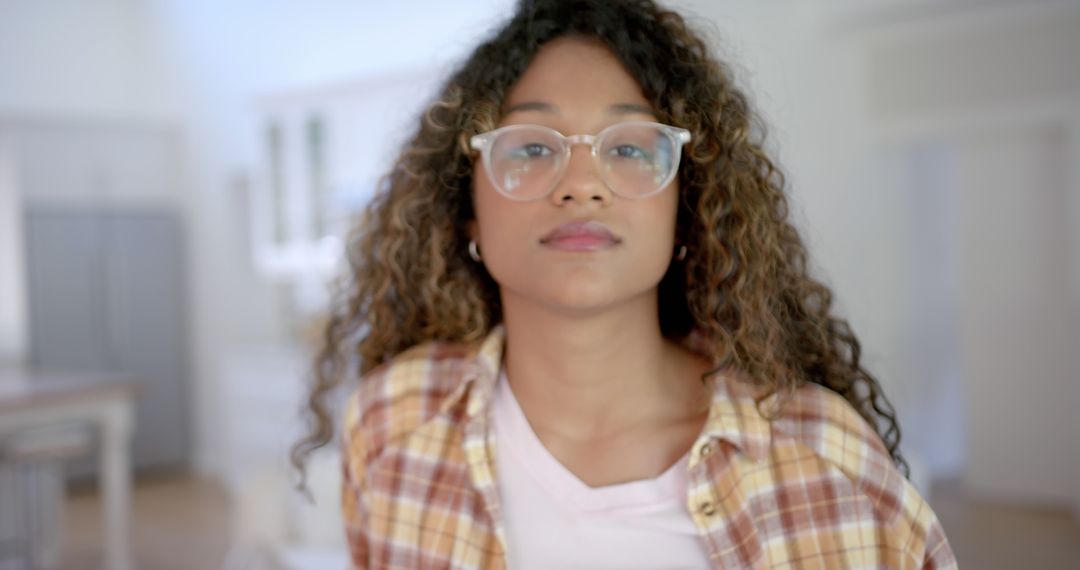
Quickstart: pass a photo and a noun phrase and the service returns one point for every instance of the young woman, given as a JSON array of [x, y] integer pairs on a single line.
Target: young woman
[[587, 334]]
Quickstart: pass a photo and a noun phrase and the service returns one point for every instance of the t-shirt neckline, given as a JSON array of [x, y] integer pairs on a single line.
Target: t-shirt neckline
[[516, 436]]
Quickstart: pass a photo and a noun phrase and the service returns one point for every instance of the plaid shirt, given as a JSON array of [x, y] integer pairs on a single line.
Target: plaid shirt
[[811, 488]]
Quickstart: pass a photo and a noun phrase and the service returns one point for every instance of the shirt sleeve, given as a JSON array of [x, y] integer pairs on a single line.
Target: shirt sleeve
[[937, 555], [908, 533], [908, 520], [912, 529], [353, 508]]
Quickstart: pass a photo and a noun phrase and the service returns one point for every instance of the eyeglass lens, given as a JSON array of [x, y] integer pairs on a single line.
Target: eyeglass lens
[[634, 160]]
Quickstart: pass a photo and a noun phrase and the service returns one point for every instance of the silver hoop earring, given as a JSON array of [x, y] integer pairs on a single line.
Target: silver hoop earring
[[682, 253], [474, 251]]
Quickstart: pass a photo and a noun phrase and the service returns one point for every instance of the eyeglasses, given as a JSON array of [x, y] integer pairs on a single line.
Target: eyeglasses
[[636, 159]]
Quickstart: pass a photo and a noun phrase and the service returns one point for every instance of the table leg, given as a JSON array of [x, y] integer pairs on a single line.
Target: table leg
[[115, 465]]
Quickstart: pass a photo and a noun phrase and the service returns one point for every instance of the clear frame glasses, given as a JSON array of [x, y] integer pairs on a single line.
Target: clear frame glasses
[[635, 159]]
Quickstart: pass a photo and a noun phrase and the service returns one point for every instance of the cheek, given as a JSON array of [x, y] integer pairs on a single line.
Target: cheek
[[501, 224], [660, 221], [483, 201], [663, 217], [489, 210]]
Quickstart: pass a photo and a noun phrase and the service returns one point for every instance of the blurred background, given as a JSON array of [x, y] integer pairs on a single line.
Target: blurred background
[[176, 177]]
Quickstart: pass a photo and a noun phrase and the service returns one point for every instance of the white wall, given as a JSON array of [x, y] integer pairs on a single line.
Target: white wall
[[1021, 54], [1019, 336], [936, 421], [13, 333], [123, 162], [1073, 206], [997, 93], [86, 58]]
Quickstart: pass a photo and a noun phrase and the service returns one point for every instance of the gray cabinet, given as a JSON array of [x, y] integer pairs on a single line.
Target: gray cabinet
[[106, 292]]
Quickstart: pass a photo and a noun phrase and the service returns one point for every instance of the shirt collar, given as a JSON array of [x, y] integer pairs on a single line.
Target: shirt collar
[[735, 414], [480, 371]]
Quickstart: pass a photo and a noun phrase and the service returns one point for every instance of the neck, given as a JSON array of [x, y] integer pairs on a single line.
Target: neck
[[587, 375]]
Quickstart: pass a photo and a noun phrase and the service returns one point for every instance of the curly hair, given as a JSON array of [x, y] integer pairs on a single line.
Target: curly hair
[[745, 284]]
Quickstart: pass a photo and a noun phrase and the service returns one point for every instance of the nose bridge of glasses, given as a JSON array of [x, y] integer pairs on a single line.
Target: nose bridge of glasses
[[574, 140], [581, 172], [579, 139]]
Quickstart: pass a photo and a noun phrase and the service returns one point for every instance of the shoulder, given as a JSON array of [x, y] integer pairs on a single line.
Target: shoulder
[[827, 424], [402, 394], [821, 422], [848, 452]]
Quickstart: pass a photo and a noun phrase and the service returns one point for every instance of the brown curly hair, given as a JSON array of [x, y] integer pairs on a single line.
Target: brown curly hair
[[745, 283]]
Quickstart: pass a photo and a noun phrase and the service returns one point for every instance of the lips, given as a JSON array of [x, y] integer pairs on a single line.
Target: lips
[[580, 236]]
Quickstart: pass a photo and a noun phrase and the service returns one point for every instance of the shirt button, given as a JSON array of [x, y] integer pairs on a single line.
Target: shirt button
[[705, 450], [708, 509]]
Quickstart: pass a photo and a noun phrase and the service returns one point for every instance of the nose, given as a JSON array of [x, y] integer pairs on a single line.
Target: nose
[[581, 180]]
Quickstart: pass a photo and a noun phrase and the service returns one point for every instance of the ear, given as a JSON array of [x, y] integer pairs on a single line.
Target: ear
[[472, 229]]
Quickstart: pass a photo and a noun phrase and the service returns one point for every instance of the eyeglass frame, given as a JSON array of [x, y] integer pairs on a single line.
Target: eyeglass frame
[[483, 143]]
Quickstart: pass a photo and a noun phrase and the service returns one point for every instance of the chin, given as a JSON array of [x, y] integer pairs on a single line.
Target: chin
[[590, 299], [584, 289]]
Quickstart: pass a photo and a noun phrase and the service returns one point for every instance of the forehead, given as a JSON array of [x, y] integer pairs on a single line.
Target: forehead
[[576, 75]]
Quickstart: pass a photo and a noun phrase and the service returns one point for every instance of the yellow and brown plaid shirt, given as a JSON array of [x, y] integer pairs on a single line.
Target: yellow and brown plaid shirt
[[811, 488]]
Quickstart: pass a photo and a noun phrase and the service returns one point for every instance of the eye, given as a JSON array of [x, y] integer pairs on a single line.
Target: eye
[[629, 151], [530, 150]]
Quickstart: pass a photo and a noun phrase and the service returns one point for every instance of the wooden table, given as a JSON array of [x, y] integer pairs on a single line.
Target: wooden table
[[32, 399]]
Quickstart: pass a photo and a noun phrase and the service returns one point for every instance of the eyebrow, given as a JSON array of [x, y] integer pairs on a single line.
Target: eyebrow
[[616, 109], [630, 109]]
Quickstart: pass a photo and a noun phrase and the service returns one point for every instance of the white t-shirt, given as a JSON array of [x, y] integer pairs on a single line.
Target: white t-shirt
[[554, 520]]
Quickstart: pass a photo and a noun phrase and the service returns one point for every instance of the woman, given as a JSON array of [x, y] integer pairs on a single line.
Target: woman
[[587, 332]]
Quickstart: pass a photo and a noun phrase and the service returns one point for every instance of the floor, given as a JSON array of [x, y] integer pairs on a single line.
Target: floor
[[182, 523], [996, 536]]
